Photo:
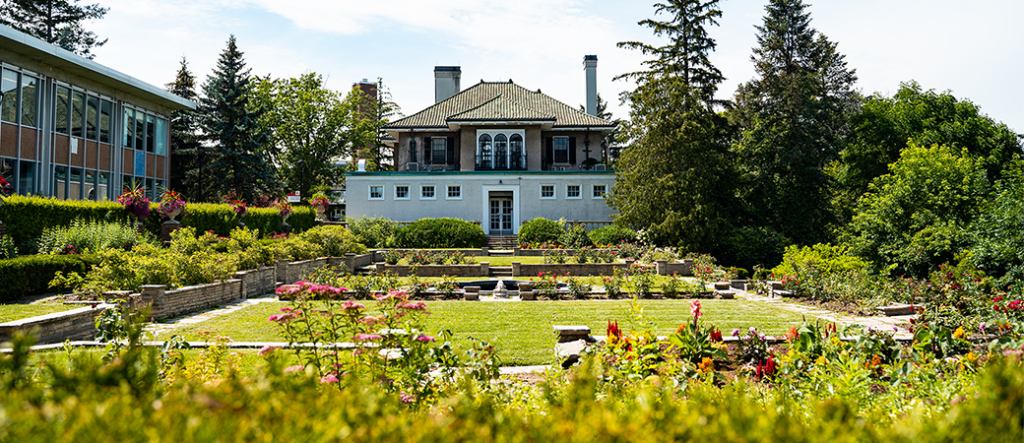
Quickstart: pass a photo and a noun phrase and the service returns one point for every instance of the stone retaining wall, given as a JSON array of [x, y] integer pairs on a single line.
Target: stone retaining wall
[[163, 303], [574, 269], [290, 272], [475, 270], [257, 281], [76, 324]]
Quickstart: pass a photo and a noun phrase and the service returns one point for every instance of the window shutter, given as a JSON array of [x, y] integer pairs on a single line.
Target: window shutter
[[572, 150], [426, 151], [451, 150], [549, 151]]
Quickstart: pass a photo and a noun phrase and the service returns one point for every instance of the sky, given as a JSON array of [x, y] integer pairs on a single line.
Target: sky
[[974, 49]]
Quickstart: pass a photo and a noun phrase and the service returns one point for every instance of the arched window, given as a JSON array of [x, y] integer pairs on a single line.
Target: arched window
[[500, 152], [483, 159], [516, 160]]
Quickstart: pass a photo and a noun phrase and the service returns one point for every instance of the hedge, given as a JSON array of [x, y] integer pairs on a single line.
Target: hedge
[[441, 233], [540, 230], [31, 274], [26, 217]]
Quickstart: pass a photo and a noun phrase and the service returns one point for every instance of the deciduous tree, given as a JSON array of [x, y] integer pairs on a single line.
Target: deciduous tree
[[308, 124]]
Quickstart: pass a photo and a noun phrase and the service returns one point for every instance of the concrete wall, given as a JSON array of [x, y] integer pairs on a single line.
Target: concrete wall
[[76, 324]]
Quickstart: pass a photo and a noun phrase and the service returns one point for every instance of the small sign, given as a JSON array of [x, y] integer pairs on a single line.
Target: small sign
[[294, 197], [74, 145]]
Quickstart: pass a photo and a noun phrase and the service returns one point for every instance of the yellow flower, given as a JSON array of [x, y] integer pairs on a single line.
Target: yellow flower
[[821, 361], [959, 333]]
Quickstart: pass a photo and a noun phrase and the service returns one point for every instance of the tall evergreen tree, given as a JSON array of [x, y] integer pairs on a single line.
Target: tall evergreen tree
[[55, 21], [674, 178], [188, 155], [795, 117], [233, 130]]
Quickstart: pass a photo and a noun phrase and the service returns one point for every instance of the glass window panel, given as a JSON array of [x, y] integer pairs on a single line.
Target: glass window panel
[[129, 127], [438, 149], [29, 101], [454, 191], [161, 136], [7, 169], [60, 120], [90, 185], [427, 191], [150, 189], [140, 164], [140, 131], [92, 117], [27, 177], [75, 184], [77, 117], [104, 184], [402, 191], [106, 120], [9, 89], [150, 133], [485, 151], [500, 152], [60, 182], [547, 191], [561, 150]]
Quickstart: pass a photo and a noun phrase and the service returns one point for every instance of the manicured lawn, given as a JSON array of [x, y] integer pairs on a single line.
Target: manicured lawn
[[18, 312], [521, 331]]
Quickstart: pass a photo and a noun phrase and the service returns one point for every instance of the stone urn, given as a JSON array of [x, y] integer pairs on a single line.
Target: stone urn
[[320, 210], [171, 215]]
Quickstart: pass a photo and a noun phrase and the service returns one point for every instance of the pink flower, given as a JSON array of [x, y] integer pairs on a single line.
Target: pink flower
[[329, 378], [296, 368], [367, 337], [284, 318], [425, 338], [369, 321], [406, 398], [695, 309], [352, 306], [267, 350], [393, 295], [418, 306]]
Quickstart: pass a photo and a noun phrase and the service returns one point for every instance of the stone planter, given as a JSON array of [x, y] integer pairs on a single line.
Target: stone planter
[[173, 214], [320, 210]]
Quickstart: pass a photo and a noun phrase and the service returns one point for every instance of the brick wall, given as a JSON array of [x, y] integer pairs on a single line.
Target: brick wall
[[76, 324]]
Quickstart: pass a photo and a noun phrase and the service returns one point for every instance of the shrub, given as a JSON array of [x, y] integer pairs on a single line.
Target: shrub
[[540, 230], [611, 235], [374, 232], [30, 274], [7, 247], [89, 236], [824, 258], [335, 240], [441, 233], [27, 217], [575, 236]]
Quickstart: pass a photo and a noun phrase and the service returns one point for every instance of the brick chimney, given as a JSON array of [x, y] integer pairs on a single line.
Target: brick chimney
[[446, 82], [590, 61]]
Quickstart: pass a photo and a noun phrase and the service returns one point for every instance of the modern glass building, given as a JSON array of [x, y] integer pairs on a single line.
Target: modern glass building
[[75, 129]]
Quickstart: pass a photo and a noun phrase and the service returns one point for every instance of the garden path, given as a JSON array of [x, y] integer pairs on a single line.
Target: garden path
[[198, 317], [880, 322]]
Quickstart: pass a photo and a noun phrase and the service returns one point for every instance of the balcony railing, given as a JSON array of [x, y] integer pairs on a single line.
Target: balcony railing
[[510, 163]]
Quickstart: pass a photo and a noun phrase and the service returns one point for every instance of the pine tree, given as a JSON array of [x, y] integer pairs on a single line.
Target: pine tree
[[795, 116], [55, 21], [233, 130], [674, 178], [188, 155]]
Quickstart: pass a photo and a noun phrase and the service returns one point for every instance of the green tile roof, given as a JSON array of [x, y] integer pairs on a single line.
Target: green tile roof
[[499, 101]]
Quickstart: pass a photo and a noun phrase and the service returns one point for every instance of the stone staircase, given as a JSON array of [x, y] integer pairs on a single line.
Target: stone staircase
[[501, 241], [500, 271]]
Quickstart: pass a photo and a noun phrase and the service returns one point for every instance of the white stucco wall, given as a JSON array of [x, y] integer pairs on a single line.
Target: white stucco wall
[[525, 187]]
